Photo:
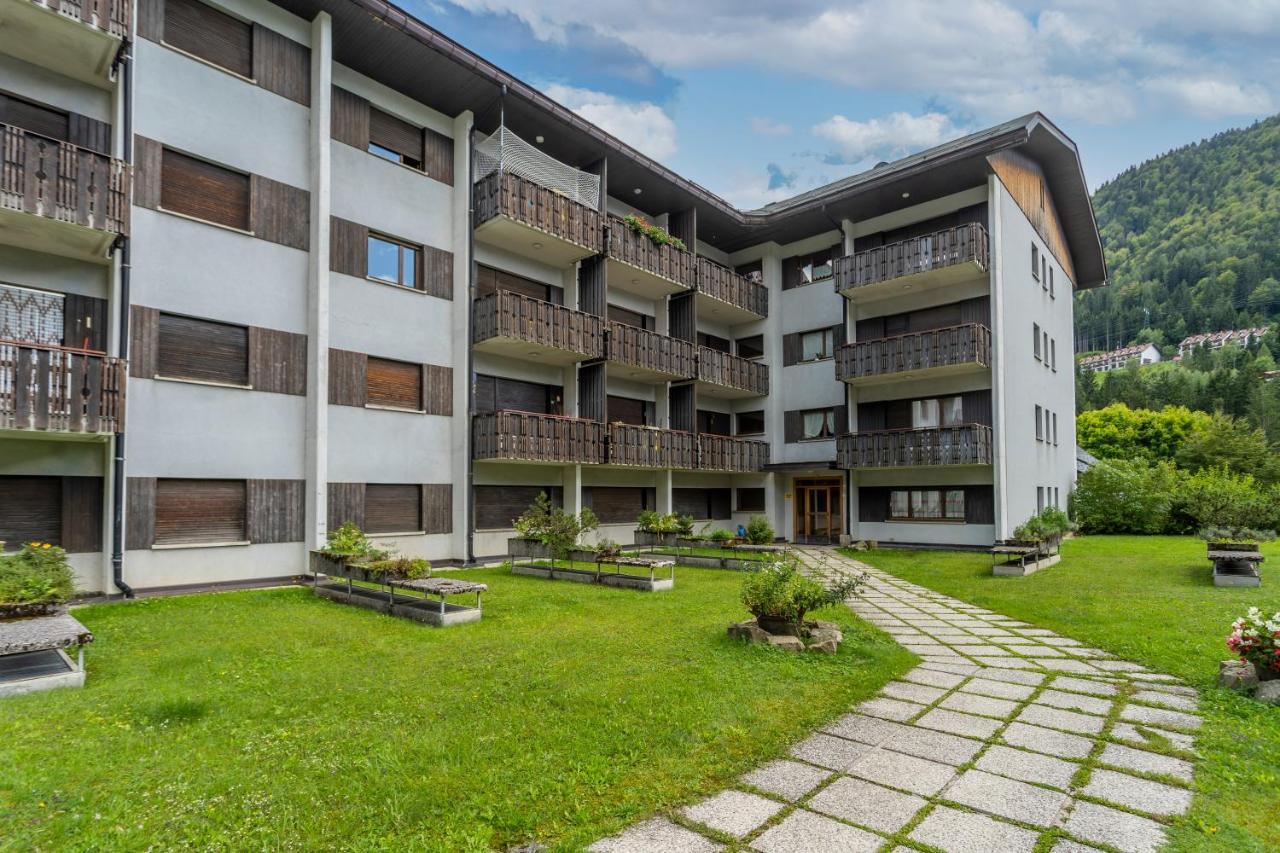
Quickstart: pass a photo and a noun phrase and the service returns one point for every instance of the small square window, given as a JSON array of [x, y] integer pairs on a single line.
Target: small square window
[[393, 261]]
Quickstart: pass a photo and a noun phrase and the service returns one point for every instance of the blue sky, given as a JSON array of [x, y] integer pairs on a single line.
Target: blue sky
[[760, 100]]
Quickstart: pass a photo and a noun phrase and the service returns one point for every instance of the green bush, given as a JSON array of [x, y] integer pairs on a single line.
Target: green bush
[[1119, 432], [719, 535], [778, 590], [401, 568], [653, 522], [759, 531], [558, 530], [1215, 497], [37, 574], [350, 541], [1049, 525], [1126, 496]]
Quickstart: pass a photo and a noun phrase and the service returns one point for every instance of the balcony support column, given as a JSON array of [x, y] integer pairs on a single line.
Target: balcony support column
[[461, 472], [572, 483], [999, 405], [665, 496]]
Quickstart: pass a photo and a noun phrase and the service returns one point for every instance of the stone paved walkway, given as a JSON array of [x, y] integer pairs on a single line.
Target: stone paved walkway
[[1004, 735]]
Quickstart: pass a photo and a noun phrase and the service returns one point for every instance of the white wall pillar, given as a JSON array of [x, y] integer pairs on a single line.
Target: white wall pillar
[[460, 428], [998, 403], [664, 487], [317, 410], [572, 483]]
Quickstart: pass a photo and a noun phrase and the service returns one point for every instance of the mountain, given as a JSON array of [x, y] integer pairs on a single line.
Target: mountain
[[1192, 240]]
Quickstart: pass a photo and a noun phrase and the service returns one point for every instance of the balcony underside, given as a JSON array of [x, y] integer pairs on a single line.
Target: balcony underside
[[641, 282], [516, 237], [53, 236], [724, 392], [719, 311], [938, 372], [923, 281], [522, 349], [61, 43], [642, 373]]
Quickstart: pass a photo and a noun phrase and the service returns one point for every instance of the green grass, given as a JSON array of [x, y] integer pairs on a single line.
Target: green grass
[[1150, 600], [276, 719]]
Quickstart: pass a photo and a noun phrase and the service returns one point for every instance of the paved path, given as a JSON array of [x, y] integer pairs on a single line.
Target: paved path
[[1005, 733]]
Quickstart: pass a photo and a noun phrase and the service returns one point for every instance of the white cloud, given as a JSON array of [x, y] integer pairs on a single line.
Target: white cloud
[[886, 137], [640, 124], [1206, 98], [768, 127]]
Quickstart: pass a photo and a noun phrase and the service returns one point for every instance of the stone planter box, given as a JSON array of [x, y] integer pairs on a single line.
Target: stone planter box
[[28, 609], [527, 549], [655, 540], [1026, 567], [823, 637], [395, 604], [1235, 563]]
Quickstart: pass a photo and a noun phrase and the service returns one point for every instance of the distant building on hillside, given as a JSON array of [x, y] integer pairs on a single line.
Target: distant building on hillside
[[1217, 340], [1118, 358]]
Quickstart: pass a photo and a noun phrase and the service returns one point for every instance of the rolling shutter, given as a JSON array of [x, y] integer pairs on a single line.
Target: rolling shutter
[[392, 508], [387, 131], [30, 510], [203, 350], [627, 410], [203, 190], [45, 121], [497, 506], [618, 504], [397, 384], [214, 36], [750, 500], [190, 512]]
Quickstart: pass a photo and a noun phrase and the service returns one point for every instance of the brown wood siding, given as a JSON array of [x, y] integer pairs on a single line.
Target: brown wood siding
[[151, 19], [89, 133], [497, 506], [395, 134], [349, 119], [281, 65], [618, 504], [683, 408], [81, 515], [1025, 181], [30, 510], [277, 361], [683, 225], [437, 156], [348, 247], [437, 390], [202, 350], [140, 513], [347, 386], [437, 272], [84, 322], [148, 169], [592, 275], [397, 384], [189, 511], [280, 213], [392, 508], [200, 189], [144, 339], [276, 511], [214, 36], [682, 322], [437, 507], [346, 504], [592, 399]]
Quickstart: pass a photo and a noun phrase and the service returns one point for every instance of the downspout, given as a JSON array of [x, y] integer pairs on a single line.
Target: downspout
[[117, 474]]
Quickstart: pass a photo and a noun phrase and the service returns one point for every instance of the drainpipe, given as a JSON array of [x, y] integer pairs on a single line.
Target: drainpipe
[[117, 474]]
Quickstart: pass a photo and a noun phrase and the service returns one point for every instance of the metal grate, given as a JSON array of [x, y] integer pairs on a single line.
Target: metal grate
[[503, 150]]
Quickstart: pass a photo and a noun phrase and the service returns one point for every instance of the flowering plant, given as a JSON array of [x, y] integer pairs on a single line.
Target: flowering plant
[[38, 574], [657, 235], [1257, 639]]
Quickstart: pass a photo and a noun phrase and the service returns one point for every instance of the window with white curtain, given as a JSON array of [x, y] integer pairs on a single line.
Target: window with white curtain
[[936, 412], [926, 504], [818, 423], [818, 344]]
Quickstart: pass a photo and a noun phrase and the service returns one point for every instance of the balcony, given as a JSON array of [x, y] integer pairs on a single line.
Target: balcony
[[937, 352], [726, 297], [520, 326], [640, 266], [75, 38], [647, 447], [724, 453], [529, 437], [728, 376], [932, 261], [530, 220], [58, 390], [648, 356], [965, 444], [59, 198]]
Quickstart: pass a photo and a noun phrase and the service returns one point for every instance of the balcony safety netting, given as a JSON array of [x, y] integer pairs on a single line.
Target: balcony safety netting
[[502, 149]]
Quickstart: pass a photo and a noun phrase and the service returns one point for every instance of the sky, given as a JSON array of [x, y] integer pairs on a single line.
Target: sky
[[758, 100]]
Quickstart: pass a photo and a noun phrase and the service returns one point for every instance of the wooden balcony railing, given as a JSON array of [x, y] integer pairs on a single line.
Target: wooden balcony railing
[[505, 194], [529, 437], [724, 453], [112, 16], [727, 286], [61, 181], [647, 447], [964, 444], [60, 390], [651, 351], [638, 250], [731, 371], [513, 315], [954, 345], [950, 247]]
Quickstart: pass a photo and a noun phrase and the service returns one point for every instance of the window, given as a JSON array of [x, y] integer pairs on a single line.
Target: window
[[1055, 429], [702, 503], [1044, 270], [752, 347], [490, 280], [199, 189], [800, 270], [618, 504], [752, 272], [817, 345], [392, 508], [1039, 498], [394, 139], [1053, 353], [394, 384], [713, 423], [204, 32], [30, 510], [1051, 293], [1039, 425], [395, 262], [750, 423], [1035, 261], [926, 505], [817, 423], [937, 412], [497, 506], [1044, 345], [202, 351], [750, 500], [715, 342], [1035, 339], [194, 512]]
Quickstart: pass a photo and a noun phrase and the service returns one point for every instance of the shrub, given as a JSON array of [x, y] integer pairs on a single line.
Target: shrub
[[608, 548], [759, 531], [1048, 525], [1215, 497], [37, 574], [553, 527], [652, 522], [719, 535], [402, 568], [1236, 534], [1226, 442], [1119, 432], [1125, 496], [778, 590], [350, 541]]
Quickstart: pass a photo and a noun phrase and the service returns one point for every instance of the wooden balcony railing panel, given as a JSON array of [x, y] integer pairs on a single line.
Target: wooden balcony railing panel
[[949, 247], [59, 390], [530, 437], [505, 314], [726, 285], [505, 194], [954, 345], [61, 181], [638, 250], [724, 453], [112, 16], [647, 447], [964, 444], [649, 350], [731, 371]]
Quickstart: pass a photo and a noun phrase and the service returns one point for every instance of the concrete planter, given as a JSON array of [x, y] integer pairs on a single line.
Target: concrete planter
[[655, 540], [28, 609], [812, 636], [527, 549]]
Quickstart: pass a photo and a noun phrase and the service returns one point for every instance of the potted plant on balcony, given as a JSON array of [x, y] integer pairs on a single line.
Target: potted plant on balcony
[[779, 596], [657, 236], [548, 532], [36, 581]]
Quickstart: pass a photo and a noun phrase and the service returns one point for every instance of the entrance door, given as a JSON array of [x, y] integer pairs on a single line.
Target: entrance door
[[818, 511]]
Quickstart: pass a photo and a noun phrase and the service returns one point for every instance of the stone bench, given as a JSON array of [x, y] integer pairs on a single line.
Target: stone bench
[[1022, 559], [33, 656], [1236, 568]]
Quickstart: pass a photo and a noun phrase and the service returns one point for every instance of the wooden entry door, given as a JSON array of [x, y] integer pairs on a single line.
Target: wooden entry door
[[819, 511]]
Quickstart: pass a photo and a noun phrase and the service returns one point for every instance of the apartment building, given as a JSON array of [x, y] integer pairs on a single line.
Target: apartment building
[[1217, 340], [343, 269], [1118, 359]]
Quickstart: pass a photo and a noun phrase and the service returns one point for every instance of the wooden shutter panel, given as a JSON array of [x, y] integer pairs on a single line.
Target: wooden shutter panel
[[30, 510], [349, 119], [592, 399], [873, 504], [682, 407], [979, 505], [976, 310], [203, 350], [280, 213], [437, 272], [203, 190], [277, 361], [192, 512], [144, 339], [790, 272], [81, 514], [348, 247], [976, 407], [437, 156], [437, 507], [841, 419], [214, 36], [792, 426], [681, 317], [393, 383], [89, 133], [437, 392], [84, 322], [276, 511], [140, 513], [281, 65], [790, 349], [838, 337], [347, 385], [592, 285], [346, 504], [148, 168], [392, 508]]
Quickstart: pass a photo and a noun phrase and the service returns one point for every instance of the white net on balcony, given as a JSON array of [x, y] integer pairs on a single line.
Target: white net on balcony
[[503, 149]]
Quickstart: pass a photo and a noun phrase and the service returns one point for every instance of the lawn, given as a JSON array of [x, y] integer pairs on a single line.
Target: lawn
[[1150, 600], [276, 719]]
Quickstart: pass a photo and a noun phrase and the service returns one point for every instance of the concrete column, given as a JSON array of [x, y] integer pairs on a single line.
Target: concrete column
[[662, 405], [460, 429], [665, 500], [771, 266], [998, 385], [317, 410]]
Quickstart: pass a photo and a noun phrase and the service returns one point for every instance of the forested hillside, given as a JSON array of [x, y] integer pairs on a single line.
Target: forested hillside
[[1192, 240]]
